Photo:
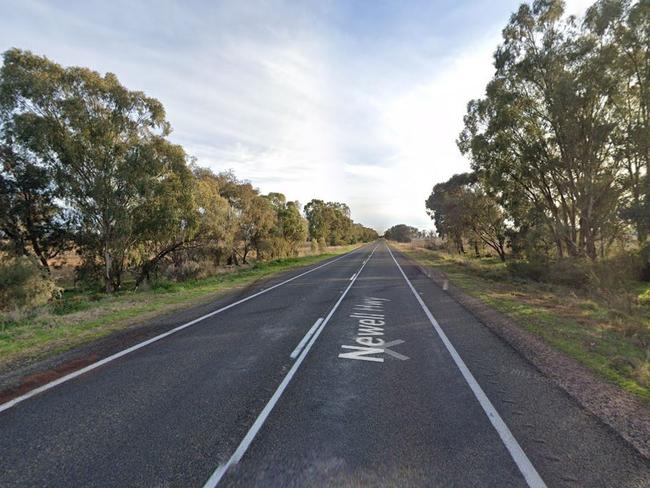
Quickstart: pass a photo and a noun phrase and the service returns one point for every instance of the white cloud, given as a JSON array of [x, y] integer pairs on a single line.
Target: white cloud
[[315, 99]]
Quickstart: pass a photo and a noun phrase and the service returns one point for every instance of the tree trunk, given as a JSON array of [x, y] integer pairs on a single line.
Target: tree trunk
[[108, 263]]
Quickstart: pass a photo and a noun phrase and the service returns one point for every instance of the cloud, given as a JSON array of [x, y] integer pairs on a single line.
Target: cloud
[[352, 101]]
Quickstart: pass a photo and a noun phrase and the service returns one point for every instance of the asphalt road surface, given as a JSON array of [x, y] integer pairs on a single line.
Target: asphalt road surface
[[360, 371]]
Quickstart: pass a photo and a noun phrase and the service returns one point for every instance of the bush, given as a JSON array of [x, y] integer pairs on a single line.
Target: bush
[[571, 272], [24, 284], [644, 258], [185, 270], [523, 269]]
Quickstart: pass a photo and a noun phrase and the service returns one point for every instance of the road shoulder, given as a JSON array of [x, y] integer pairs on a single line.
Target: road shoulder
[[620, 410]]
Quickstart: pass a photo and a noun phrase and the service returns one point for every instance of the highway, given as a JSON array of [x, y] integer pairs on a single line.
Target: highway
[[356, 371]]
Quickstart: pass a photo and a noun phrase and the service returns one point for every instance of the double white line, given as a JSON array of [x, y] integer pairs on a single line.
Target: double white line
[[261, 418]]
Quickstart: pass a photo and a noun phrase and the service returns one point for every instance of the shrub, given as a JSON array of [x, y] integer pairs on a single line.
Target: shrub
[[523, 269], [644, 268], [185, 270], [572, 272], [24, 284]]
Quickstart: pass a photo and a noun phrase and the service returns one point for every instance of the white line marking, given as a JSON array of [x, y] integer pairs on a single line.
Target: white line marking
[[304, 340], [527, 469], [214, 480], [90, 367], [352, 277]]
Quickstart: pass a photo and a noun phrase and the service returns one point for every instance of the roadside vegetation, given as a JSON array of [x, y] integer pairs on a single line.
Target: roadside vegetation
[[606, 329], [79, 316], [551, 225], [102, 218]]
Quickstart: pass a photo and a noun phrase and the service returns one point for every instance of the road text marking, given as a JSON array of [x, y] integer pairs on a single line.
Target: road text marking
[[371, 322]]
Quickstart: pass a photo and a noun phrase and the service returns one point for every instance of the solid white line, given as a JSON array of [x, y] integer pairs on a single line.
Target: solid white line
[[90, 367], [214, 480], [304, 340], [527, 469]]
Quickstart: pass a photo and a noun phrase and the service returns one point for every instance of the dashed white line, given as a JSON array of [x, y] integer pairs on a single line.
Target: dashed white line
[[352, 277], [90, 367], [214, 480], [526, 468], [304, 340]]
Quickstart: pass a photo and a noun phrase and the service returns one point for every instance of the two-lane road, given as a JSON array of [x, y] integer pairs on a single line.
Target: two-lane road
[[360, 371]]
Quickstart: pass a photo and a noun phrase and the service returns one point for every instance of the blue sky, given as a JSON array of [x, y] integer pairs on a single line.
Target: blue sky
[[357, 101]]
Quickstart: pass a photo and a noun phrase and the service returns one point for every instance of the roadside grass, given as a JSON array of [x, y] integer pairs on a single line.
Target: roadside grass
[[79, 317], [613, 341]]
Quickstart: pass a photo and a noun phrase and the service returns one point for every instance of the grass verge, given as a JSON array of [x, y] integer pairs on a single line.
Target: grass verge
[[79, 318], [583, 325]]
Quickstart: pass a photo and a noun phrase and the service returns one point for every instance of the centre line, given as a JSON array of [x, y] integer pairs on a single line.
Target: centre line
[[214, 480], [518, 455], [304, 340]]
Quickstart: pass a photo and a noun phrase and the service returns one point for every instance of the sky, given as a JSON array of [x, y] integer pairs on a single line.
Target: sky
[[358, 101]]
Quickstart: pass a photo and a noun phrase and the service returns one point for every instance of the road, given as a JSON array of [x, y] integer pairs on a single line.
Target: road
[[397, 385]]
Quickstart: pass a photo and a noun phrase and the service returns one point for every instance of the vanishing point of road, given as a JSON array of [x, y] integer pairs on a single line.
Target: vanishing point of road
[[355, 371]]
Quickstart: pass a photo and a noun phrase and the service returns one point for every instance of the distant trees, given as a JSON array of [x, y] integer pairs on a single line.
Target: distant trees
[[86, 163], [401, 233], [560, 143], [462, 211], [329, 223]]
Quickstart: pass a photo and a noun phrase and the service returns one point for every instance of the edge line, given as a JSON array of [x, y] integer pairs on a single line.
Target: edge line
[[518, 455]]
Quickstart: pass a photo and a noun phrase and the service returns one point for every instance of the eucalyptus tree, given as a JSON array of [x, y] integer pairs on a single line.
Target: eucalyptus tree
[[622, 28], [101, 142], [32, 221], [544, 133]]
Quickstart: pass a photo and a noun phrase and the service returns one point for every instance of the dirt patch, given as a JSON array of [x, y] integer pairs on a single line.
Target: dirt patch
[[620, 410]]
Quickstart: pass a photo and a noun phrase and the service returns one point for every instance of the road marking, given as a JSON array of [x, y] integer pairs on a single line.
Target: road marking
[[243, 446], [352, 277], [113, 357], [527, 469], [370, 325], [304, 340]]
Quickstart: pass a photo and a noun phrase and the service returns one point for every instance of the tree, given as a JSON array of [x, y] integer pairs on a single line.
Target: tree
[[217, 220], [401, 233], [622, 28], [100, 140], [31, 220], [544, 133], [169, 219], [446, 207]]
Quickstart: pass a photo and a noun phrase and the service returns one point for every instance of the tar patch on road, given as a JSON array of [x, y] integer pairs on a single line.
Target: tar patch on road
[[370, 341]]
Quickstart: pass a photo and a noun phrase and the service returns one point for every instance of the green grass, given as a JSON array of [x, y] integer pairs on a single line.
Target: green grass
[[81, 317], [612, 341]]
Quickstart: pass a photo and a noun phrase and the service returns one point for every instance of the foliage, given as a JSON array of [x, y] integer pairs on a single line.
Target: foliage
[[86, 165], [401, 233], [462, 210], [330, 223], [560, 139], [32, 222], [24, 284]]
